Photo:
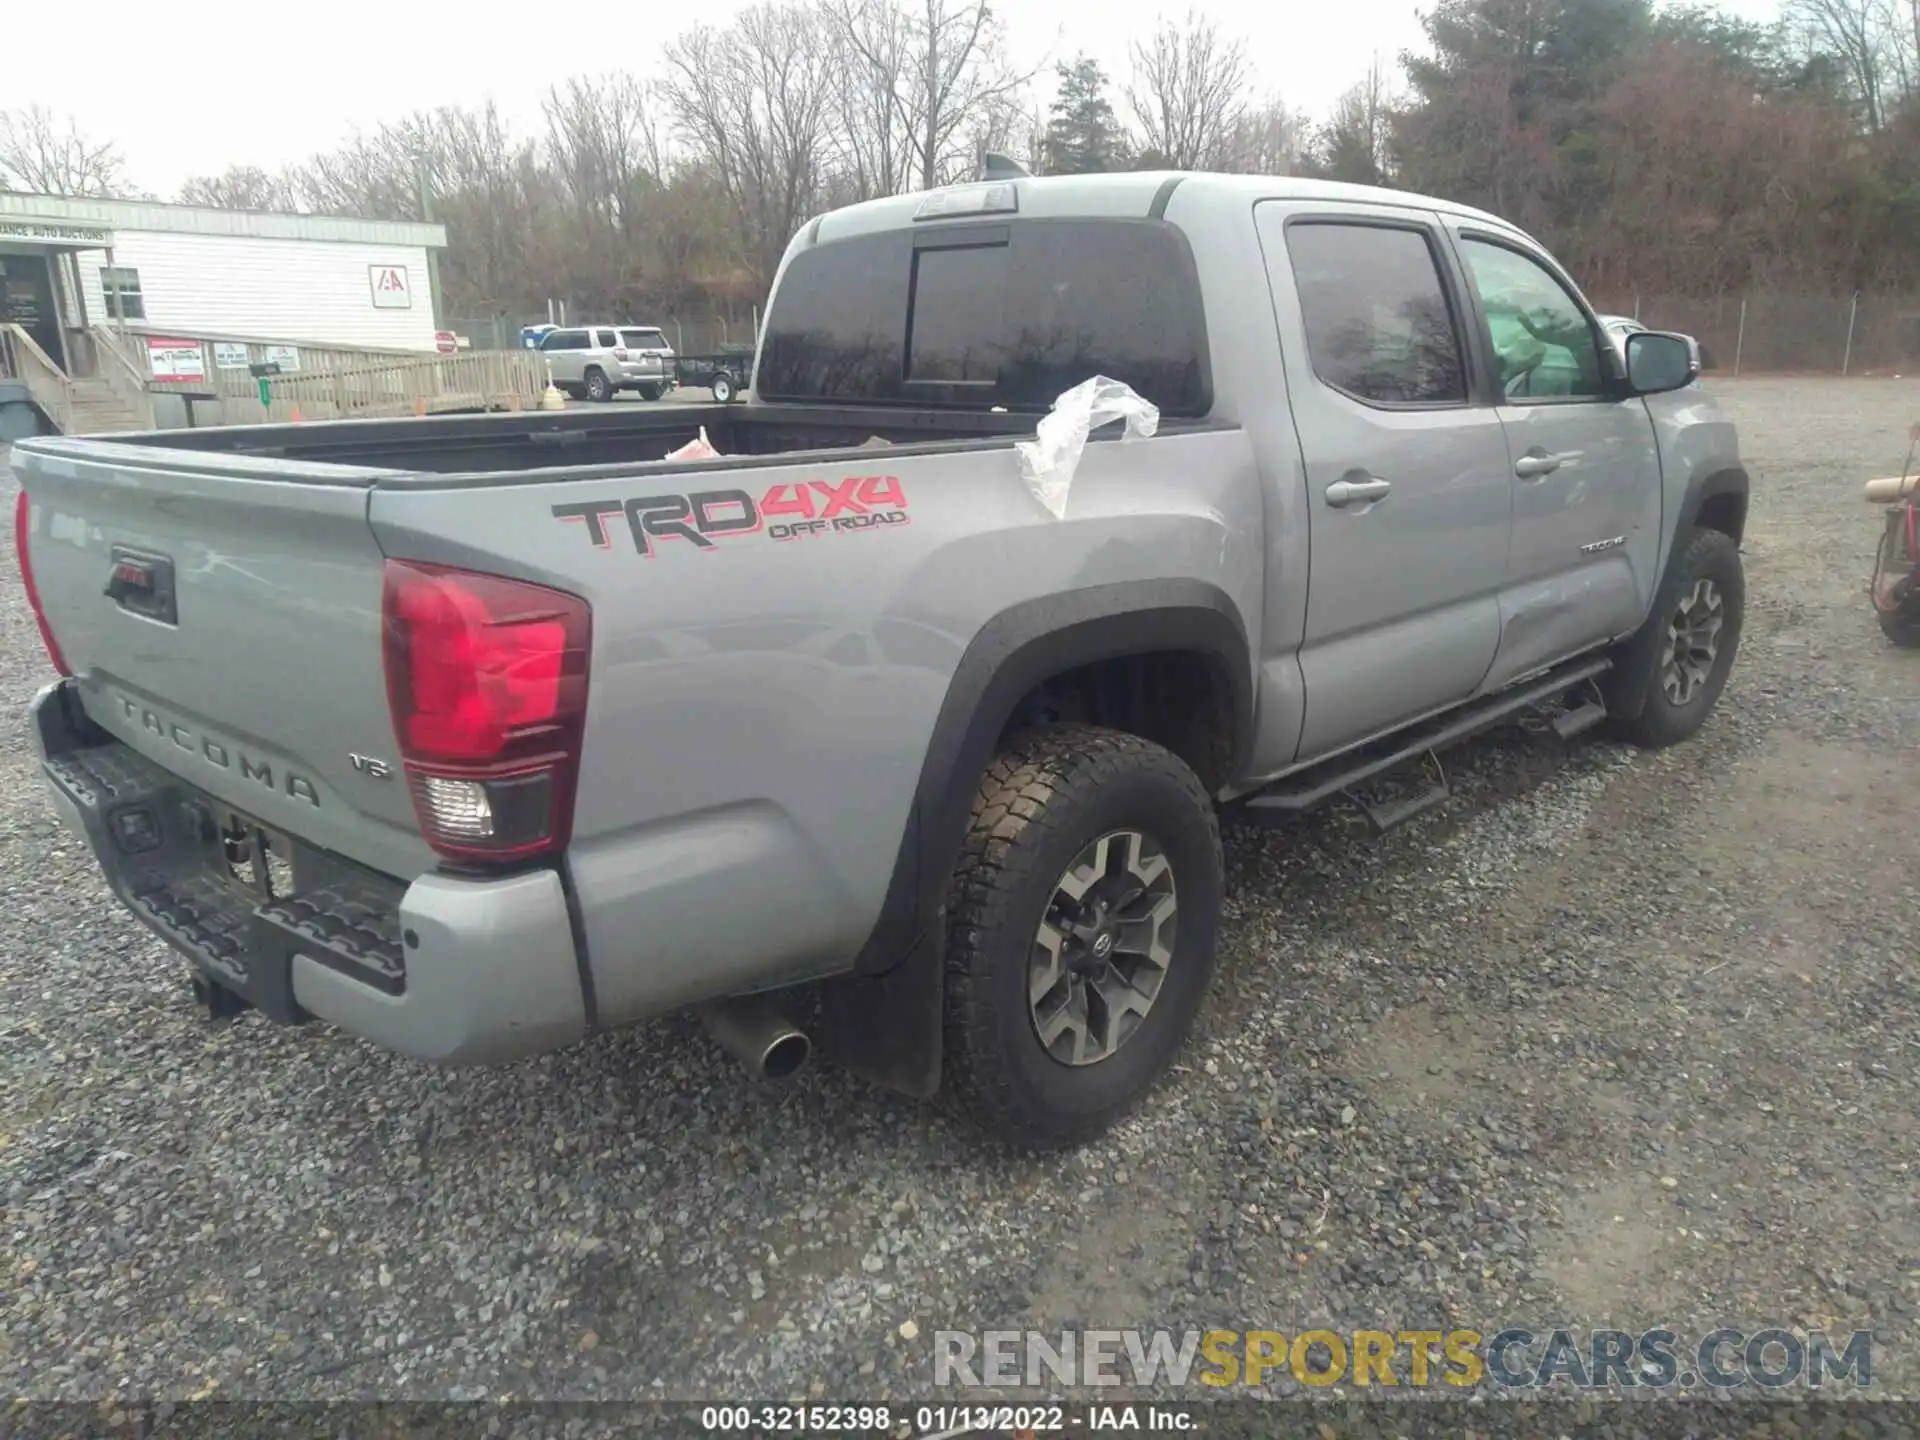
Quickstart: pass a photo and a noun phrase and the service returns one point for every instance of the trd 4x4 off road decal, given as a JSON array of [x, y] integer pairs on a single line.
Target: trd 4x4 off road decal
[[796, 510]]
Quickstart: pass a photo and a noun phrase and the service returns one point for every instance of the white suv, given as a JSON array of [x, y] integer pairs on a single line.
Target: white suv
[[594, 362]]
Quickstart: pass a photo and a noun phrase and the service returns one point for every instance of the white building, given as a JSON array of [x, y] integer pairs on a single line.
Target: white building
[[180, 271]]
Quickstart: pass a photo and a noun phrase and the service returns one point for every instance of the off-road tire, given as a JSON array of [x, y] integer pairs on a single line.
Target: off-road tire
[[1641, 711], [599, 388], [651, 393], [1046, 796]]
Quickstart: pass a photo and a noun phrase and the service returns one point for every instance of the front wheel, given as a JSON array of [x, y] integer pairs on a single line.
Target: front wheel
[[723, 388], [1083, 919], [1668, 677]]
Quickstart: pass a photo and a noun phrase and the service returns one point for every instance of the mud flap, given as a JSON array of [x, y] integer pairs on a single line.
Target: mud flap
[[887, 1028]]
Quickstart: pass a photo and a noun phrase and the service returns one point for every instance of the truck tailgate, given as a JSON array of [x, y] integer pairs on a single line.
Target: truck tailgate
[[223, 617]]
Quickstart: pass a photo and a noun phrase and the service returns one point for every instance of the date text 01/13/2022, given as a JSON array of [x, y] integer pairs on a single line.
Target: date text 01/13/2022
[[794, 510]]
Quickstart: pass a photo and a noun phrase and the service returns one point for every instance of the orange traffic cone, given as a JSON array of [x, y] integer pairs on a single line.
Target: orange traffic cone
[[296, 417]]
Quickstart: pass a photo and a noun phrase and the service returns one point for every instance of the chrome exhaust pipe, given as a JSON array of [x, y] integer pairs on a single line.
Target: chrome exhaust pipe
[[758, 1036]]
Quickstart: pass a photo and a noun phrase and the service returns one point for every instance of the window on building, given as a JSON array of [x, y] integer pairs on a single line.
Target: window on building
[[1378, 324], [120, 286]]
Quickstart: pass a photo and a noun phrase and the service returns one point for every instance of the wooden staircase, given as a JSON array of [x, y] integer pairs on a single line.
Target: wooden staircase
[[112, 400], [94, 407]]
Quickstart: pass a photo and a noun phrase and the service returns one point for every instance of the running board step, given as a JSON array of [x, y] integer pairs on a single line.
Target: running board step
[[1578, 721], [1312, 787], [1386, 815]]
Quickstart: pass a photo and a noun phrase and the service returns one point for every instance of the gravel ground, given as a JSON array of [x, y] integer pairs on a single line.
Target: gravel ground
[[1614, 1038]]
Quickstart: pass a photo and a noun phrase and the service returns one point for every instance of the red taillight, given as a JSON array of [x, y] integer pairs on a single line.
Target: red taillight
[[620, 354], [22, 527], [487, 680]]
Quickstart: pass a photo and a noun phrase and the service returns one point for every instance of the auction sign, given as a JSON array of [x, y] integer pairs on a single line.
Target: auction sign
[[176, 359]]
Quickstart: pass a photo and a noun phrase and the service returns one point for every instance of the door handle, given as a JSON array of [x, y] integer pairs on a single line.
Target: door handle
[[1536, 463], [1354, 492]]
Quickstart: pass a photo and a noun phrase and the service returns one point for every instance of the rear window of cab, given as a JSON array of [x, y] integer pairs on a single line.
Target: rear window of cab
[[976, 315]]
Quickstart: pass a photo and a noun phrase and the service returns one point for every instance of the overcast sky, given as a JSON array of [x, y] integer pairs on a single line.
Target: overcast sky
[[190, 91]]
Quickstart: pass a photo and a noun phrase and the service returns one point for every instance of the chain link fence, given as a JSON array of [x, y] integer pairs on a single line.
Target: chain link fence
[[1774, 332]]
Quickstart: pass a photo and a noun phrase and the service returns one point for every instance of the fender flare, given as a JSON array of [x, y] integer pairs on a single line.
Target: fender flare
[[883, 1019], [1701, 489]]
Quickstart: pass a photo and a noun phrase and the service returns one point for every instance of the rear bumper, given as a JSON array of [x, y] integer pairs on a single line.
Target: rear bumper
[[447, 969]]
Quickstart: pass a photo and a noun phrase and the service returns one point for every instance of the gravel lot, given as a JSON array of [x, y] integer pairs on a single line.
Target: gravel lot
[[1613, 1038]]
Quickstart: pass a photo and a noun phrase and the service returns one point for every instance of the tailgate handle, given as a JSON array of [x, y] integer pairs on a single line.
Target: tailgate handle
[[143, 584]]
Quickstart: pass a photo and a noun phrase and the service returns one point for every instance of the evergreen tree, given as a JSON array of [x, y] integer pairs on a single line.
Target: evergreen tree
[[1083, 134]]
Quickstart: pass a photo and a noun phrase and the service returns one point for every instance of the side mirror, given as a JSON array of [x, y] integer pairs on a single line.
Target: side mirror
[[1658, 362]]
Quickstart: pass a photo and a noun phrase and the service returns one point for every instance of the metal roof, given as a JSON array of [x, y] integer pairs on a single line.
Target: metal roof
[[151, 215]]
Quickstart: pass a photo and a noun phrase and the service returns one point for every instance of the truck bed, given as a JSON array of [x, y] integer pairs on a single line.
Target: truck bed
[[495, 444]]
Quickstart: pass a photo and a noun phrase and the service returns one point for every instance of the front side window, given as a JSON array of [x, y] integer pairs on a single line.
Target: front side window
[[1378, 324], [1542, 339], [120, 288], [565, 340]]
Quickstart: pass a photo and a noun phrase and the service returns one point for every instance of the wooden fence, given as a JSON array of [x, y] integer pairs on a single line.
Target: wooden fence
[[320, 382]]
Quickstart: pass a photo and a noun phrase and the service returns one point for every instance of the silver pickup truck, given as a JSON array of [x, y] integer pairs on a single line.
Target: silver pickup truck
[[478, 735]]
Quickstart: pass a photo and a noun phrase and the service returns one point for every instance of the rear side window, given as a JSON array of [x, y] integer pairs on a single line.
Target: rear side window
[[977, 315], [604, 340], [565, 340], [1378, 324]]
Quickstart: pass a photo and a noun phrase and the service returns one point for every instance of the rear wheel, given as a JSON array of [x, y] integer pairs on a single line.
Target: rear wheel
[[1668, 677], [1083, 918], [723, 388], [599, 388]]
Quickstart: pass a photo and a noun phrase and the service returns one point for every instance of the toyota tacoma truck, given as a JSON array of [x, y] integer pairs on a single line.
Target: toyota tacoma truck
[[475, 736]]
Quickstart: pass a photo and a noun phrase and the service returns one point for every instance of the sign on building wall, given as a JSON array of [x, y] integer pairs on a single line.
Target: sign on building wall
[[176, 359], [390, 288], [287, 357], [57, 232], [229, 356]]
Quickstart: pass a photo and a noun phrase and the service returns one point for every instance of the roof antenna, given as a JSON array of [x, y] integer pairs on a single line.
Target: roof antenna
[[995, 166]]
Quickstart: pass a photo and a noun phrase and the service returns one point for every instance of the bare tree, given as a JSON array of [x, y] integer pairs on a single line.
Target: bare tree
[[1868, 39], [604, 146], [1353, 142], [755, 104], [939, 74], [1187, 92], [603, 136], [375, 176], [873, 127], [46, 154], [1268, 138], [239, 187]]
